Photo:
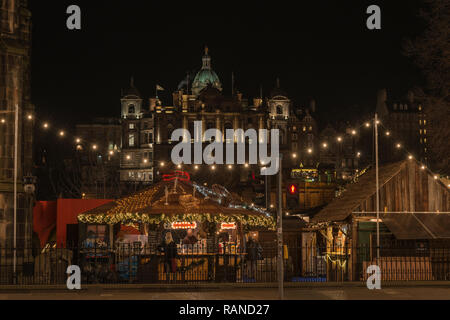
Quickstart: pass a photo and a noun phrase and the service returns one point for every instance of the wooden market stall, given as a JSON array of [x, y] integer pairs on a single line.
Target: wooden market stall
[[209, 226], [414, 224]]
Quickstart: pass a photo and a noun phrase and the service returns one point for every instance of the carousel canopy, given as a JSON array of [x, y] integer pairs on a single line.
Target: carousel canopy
[[170, 201]]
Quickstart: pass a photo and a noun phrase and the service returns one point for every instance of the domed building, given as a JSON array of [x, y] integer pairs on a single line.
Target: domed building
[[206, 76]]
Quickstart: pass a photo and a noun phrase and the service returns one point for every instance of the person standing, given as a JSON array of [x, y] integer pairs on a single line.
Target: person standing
[[169, 248]]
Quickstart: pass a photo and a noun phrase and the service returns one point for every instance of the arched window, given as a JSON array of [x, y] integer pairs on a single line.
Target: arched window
[[279, 110], [131, 108]]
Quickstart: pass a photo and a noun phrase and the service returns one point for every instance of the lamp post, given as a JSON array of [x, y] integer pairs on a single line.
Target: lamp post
[[377, 187], [16, 140], [280, 231]]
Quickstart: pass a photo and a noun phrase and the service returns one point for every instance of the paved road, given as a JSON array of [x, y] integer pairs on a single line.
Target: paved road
[[353, 293]]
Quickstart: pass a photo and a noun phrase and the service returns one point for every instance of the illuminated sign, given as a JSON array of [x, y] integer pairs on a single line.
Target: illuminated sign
[[184, 225], [180, 175], [228, 225]]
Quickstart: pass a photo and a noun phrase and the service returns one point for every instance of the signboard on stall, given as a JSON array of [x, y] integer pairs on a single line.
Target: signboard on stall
[[184, 225], [228, 225]]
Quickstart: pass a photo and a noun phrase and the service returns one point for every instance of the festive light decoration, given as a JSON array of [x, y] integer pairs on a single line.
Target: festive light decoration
[[180, 175], [184, 225], [62, 133], [228, 226]]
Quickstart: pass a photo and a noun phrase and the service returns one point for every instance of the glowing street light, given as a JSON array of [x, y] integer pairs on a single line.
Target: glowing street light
[[62, 133]]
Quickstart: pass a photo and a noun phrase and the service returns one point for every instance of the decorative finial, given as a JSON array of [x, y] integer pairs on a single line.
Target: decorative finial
[[278, 83], [206, 50], [132, 82]]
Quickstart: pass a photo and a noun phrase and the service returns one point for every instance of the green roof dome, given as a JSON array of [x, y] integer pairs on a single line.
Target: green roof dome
[[206, 76]]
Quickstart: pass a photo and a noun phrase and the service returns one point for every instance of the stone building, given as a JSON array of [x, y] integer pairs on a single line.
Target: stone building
[[146, 128], [15, 42], [406, 121]]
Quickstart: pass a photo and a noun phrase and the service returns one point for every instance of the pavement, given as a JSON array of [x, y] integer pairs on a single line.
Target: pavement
[[305, 293]]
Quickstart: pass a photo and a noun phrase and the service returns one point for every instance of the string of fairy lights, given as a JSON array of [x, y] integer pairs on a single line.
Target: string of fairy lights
[[339, 139]]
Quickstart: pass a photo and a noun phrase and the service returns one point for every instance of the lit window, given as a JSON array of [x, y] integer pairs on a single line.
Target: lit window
[[131, 140], [131, 126]]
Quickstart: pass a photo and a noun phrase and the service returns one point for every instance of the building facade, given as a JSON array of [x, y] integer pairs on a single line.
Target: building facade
[[15, 42], [146, 128]]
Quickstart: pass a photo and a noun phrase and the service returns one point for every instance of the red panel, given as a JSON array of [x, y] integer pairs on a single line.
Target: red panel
[[44, 219], [68, 210]]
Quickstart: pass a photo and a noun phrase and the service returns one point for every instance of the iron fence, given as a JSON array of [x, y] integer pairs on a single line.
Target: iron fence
[[132, 263]]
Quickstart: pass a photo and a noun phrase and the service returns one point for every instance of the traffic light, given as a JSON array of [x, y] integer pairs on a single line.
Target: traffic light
[[292, 200]]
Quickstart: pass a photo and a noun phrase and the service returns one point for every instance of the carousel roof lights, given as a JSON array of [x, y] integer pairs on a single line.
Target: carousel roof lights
[[62, 133], [2, 120], [30, 117]]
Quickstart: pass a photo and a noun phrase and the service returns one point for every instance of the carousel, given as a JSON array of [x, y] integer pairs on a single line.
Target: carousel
[[176, 230]]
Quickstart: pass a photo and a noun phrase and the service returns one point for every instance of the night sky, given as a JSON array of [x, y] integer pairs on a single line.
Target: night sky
[[321, 50]]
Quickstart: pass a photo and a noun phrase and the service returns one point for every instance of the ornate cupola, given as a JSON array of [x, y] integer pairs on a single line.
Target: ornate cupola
[[206, 76]]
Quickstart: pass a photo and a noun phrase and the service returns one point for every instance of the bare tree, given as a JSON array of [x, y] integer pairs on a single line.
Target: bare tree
[[431, 53]]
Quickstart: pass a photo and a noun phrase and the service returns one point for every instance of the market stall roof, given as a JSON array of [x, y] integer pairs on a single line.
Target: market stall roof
[[176, 199], [340, 208], [407, 226]]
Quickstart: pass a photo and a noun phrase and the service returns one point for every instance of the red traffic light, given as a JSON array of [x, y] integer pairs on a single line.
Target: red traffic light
[[293, 189]]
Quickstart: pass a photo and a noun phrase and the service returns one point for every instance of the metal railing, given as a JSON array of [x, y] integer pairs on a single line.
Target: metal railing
[[132, 263]]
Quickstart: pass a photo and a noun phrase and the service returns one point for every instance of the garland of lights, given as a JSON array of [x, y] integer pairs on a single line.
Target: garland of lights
[[339, 139], [247, 221]]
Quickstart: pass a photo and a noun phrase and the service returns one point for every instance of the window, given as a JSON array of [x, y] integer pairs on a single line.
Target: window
[[294, 136], [131, 140], [131, 126], [279, 110], [310, 128], [131, 108]]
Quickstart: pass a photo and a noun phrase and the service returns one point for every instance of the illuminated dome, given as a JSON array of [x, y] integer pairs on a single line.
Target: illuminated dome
[[206, 76]]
